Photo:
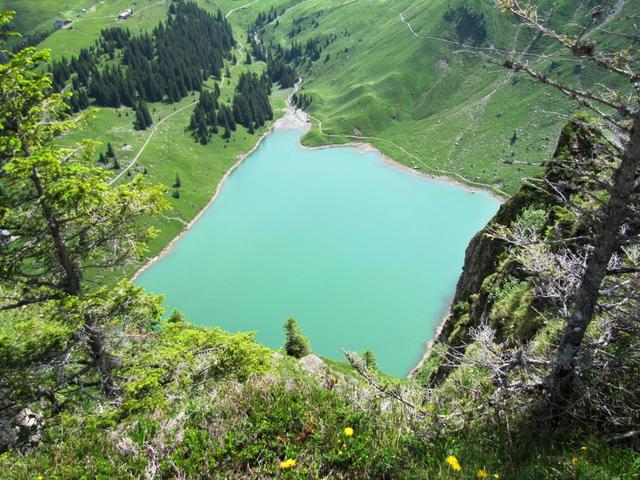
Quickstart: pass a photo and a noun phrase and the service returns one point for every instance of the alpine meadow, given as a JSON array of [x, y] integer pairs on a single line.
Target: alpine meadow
[[319, 239]]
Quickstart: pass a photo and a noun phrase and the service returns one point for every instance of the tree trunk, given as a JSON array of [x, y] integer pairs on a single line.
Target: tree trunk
[[72, 286], [606, 243], [72, 275], [101, 358]]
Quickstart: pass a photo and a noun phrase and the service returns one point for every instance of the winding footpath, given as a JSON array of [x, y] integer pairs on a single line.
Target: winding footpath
[[423, 164], [154, 129], [240, 8]]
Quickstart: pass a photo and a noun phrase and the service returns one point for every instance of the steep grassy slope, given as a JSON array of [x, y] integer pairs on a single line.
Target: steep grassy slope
[[202, 403], [170, 149], [392, 73]]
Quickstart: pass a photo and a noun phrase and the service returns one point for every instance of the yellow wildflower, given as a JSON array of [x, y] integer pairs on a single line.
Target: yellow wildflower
[[287, 464], [348, 432], [482, 473], [39, 477], [584, 449], [453, 463], [339, 452], [574, 460], [496, 476]]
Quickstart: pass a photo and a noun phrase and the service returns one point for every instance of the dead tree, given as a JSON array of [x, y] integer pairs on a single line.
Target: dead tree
[[619, 110]]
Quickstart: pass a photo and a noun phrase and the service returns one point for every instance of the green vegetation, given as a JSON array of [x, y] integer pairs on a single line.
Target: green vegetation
[[96, 384], [166, 148], [296, 344], [421, 101]]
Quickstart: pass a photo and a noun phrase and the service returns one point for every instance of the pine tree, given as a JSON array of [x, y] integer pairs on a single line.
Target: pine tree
[[611, 235], [369, 359], [177, 183], [247, 59], [148, 121], [143, 117], [227, 131], [296, 345], [110, 152]]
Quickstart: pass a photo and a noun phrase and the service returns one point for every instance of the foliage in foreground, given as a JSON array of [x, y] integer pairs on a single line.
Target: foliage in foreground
[[201, 403]]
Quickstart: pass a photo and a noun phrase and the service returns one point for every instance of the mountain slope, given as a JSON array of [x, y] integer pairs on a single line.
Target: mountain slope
[[394, 71]]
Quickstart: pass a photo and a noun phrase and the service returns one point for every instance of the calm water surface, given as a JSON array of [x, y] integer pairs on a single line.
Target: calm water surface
[[362, 254]]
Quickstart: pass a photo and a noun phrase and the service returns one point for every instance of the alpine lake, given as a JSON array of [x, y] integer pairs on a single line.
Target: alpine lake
[[365, 255]]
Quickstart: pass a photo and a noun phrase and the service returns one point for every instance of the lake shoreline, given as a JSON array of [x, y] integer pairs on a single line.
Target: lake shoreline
[[366, 147], [289, 121], [296, 119], [239, 160]]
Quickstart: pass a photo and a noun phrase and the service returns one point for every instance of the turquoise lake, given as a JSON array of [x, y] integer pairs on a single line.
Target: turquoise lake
[[363, 254]]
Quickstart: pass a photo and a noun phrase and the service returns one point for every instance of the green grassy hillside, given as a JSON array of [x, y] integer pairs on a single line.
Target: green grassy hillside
[[391, 75], [419, 100], [170, 149], [202, 403]]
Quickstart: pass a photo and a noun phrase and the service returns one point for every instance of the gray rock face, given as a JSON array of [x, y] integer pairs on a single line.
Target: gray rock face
[[314, 365], [23, 430]]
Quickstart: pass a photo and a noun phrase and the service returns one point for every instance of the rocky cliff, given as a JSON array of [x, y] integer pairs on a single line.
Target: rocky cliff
[[492, 288]]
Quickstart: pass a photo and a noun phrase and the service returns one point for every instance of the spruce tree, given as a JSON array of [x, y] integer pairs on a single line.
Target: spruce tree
[[139, 123], [369, 359], [227, 131], [177, 183], [148, 121], [110, 152], [296, 344], [247, 59]]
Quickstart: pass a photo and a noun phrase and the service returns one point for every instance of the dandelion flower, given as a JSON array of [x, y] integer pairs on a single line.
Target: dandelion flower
[[496, 476], [574, 460], [482, 473], [287, 464], [453, 463], [348, 432], [584, 449], [339, 452]]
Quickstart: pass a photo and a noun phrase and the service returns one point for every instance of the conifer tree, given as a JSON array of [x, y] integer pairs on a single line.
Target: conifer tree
[[296, 345], [619, 107], [63, 217], [110, 152], [227, 131], [143, 117], [148, 121], [369, 359]]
